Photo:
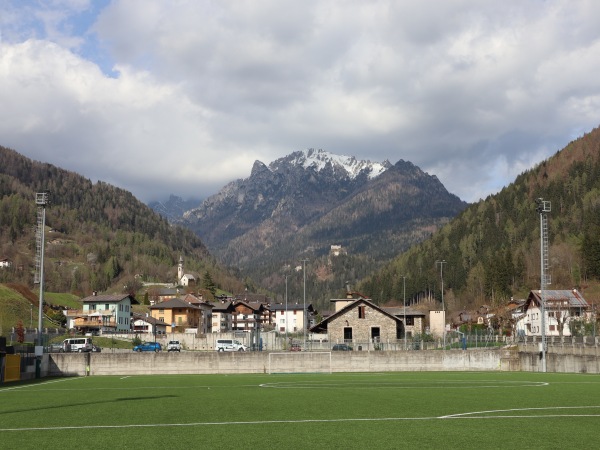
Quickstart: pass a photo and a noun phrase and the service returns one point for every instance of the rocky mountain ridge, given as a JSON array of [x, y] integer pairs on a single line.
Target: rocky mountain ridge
[[301, 204]]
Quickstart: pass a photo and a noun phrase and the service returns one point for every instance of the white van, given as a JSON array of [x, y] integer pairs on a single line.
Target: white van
[[83, 344], [230, 345]]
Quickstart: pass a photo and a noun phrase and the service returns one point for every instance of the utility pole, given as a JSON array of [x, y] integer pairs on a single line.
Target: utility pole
[[441, 263], [404, 305], [305, 314]]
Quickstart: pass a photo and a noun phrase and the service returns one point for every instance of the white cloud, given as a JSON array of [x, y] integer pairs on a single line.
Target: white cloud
[[182, 97]]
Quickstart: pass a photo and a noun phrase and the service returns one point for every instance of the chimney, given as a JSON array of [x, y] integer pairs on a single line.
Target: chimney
[[94, 293]]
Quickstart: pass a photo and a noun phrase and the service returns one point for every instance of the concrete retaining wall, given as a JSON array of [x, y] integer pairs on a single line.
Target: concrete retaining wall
[[73, 364], [566, 360]]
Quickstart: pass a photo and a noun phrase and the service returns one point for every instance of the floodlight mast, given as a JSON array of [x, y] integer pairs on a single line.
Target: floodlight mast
[[543, 207], [304, 313], [41, 200], [286, 310]]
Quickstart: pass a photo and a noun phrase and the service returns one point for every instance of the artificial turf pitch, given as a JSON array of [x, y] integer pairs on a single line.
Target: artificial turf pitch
[[341, 410]]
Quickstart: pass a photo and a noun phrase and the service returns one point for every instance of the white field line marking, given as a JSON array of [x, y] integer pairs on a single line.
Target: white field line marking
[[267, 422], [141, 388], [38, 384], [123, 378], [256, 422], [463, 415], [402, 385]]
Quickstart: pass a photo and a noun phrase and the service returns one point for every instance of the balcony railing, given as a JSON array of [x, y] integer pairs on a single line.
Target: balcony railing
[[89, 312], [97, 323]]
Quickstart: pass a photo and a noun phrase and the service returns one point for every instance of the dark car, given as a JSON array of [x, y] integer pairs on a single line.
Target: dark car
[[341, 348], [295, 348], [56, 348], [148, 347], [95, 348]]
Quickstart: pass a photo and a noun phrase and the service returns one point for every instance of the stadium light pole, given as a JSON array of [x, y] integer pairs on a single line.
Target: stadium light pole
[[543, 207], [41, 200], [404, 306], [304, 314], [286, 311], [441, 263]]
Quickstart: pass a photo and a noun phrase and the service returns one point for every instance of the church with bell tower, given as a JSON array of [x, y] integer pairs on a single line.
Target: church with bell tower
[[184, 279]]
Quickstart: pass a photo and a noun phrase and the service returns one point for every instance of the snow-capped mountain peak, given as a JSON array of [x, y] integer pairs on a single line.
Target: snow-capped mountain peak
[[318, 160]]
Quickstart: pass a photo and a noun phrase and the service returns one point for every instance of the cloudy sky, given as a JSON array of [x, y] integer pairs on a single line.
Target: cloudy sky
[[182, 96]]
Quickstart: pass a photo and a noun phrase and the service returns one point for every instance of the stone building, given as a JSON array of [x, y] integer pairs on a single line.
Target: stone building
[[359, 320]]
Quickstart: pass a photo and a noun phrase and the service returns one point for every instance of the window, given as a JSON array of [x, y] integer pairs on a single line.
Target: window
[[347, 333], [410, 321], [375, 334], [361, 312]]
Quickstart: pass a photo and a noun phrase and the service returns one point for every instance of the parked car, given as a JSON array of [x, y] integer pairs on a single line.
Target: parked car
[[230, 345], [56, 348], [341, 348], [95, 348], [148, 347], [173, 346], [295, 348]]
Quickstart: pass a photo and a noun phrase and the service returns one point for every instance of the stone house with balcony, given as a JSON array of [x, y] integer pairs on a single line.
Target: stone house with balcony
[[103, 313]]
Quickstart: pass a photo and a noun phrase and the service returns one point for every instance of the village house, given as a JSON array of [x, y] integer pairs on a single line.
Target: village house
[[360, 321], [101, 313], [143, 323], [560, 308], [291, 318], [222, 315], [177, 313]]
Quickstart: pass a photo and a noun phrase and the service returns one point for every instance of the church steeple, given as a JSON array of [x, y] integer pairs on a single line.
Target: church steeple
[[180, 269]]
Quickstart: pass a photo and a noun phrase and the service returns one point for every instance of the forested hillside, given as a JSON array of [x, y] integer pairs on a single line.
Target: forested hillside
[[98, 237], [492, 249]]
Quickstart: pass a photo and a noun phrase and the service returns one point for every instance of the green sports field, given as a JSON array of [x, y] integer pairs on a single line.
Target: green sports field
[[350, 410]]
